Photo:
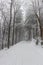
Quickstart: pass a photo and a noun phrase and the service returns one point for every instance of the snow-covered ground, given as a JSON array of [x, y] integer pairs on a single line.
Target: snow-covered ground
[[23, 53]]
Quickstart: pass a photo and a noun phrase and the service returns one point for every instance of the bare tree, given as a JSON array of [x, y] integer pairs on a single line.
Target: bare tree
[[37, 9], [3, 31], [16, 9], [10, 23], [4, 20]]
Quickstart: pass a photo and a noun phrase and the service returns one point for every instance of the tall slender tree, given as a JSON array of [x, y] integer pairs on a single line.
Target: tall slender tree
[[10, 22], [16, 9]]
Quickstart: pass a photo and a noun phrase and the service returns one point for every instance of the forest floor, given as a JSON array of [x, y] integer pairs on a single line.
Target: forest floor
[[23, 53]]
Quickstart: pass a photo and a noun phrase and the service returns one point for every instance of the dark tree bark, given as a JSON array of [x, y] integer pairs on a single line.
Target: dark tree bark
[[10, 23], [3, 32], [37, 16], [15, 12], [16, 35], [13, 29]]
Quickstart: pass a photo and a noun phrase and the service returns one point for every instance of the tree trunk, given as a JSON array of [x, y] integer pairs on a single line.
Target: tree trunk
[[39, 30], [13, 29], [3, 32], [9, 24], [16, 35]]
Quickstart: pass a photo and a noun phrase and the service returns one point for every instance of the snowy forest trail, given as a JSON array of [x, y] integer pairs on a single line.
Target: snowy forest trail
[[23, 53]]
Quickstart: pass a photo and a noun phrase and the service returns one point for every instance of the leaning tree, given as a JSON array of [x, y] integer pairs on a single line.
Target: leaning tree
[[36, 7]]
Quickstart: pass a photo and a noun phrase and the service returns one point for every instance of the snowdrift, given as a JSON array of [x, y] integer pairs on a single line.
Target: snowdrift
[[23, 53]]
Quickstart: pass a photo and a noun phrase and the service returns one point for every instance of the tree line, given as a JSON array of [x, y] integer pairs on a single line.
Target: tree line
[[12, 18]]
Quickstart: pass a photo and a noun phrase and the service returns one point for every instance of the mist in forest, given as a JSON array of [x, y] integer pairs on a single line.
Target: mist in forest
[[20, 20]]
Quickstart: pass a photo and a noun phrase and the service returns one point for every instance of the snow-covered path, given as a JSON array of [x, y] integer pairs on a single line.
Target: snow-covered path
[[23, 53]]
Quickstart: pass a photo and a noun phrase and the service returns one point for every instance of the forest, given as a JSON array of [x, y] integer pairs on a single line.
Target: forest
[[20, 20]]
